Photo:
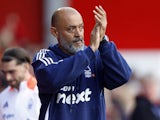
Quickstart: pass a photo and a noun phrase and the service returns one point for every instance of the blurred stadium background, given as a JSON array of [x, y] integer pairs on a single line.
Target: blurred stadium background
[[132, 25]]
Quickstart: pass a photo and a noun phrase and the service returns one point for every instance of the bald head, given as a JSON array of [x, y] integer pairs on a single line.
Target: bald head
[[68, 28], [62, 13]]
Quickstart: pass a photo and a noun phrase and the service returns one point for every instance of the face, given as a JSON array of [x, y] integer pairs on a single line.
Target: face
[[151, 88], [14, 73], [71, 33]]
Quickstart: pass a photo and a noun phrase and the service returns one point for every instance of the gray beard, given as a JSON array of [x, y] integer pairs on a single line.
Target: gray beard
[[70, 48]]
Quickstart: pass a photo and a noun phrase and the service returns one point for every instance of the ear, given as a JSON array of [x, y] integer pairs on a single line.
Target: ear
[[27, 66], [54, 31]]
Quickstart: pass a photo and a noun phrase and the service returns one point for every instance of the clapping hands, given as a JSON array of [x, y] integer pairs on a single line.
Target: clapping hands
[[99, 28]]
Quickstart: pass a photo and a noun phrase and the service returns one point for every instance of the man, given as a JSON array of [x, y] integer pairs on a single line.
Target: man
[[72, 77], [19, 101], [147, 102]]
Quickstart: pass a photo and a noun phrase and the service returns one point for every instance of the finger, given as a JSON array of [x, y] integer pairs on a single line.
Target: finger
[[100, 7], [97, 14], [100, 10], [97, 19]]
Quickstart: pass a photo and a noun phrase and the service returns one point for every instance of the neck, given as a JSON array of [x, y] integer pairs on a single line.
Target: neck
[[27, 76]]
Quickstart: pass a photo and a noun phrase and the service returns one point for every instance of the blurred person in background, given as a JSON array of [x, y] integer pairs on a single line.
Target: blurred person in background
[[122, 99], [19, 101], [148, 101], [12, 32], [71, 76]]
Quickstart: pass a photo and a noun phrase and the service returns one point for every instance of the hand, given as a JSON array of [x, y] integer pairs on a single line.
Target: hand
[[101, 19], [95, 37]]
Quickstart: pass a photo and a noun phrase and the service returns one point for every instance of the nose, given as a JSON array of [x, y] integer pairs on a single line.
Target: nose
[[78, 32], [8, 77]]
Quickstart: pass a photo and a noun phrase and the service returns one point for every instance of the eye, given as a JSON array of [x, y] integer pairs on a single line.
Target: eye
[[11, 71], [81, 27], [71, 29]]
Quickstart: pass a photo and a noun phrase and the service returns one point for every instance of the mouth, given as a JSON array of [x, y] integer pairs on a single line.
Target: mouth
[[77, 41], [12, 83]]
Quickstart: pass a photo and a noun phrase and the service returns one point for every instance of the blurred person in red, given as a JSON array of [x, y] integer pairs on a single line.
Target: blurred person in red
[[148, 101], [19, 101], [12, 32]]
